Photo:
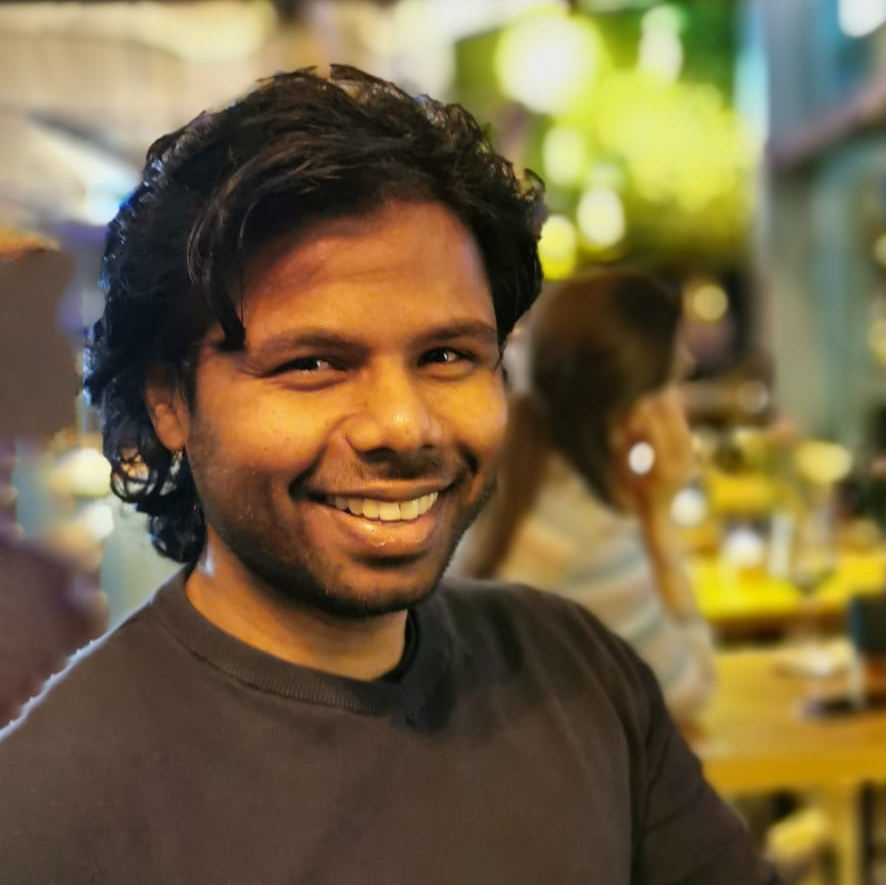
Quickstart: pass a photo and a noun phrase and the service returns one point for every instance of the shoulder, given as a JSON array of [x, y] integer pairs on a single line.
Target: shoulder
[[68, 766], [104, 687], [542, 613], [547, 632], [480, 600]]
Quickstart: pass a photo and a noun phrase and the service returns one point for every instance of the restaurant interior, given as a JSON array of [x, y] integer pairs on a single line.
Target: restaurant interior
[[734, 149]]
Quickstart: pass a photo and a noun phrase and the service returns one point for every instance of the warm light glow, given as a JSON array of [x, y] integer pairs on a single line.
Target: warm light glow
[[641, 458], [689, 507], [558, 247], [743, 548], [83, 473], [662, 18], [681, 144], [564, 154], [880, 250], [98, 520], [877, 339], [823, 462], [707, 301], [860, 17], [601, 217], [550, 60], [661, 51]]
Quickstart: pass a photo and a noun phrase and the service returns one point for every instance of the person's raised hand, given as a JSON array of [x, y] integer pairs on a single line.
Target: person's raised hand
[[652, 445]]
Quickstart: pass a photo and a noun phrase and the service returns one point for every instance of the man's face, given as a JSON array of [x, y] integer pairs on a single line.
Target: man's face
[[342, 453]]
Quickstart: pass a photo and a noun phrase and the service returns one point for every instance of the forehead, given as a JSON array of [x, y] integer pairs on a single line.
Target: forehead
[[405, 263]]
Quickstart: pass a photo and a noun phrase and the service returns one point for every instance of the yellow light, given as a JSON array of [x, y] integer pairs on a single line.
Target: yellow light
[[661, 53], [564, 155], [663, 18], [83, 473], [877, 339], [880, 250], [601, 217], [681, 145], [823, 462], [558, 247], [707, 302], [550, 60]]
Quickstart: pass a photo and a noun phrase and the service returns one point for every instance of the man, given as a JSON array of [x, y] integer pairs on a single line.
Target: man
[[299, 371]]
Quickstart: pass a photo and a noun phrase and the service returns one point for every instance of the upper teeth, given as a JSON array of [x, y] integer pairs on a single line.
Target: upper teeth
[[386, 511]]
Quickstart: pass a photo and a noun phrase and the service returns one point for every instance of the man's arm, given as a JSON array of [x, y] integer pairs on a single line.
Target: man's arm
[[687, 834]]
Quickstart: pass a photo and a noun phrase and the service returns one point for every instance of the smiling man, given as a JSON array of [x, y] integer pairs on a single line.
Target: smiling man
[[299, 373], [342, 451]]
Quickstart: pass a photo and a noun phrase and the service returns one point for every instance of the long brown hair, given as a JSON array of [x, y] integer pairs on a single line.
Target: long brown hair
[[594, 344]]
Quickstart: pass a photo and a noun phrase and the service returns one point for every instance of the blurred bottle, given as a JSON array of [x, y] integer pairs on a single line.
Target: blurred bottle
[[866, 623]]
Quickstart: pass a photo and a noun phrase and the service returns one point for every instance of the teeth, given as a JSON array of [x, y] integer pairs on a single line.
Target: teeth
[[409, 509], [386, 511]]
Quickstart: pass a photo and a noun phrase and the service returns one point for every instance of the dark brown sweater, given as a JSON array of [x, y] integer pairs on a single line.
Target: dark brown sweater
[[523, 744]]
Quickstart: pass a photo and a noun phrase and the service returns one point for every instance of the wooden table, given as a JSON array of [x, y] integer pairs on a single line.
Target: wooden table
[[738, 603], [752, 740]]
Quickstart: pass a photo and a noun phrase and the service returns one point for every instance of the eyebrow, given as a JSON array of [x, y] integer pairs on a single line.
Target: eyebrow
[[284, 342]]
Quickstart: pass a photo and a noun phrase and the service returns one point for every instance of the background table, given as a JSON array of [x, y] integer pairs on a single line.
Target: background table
[[738, 603], [752, 740]]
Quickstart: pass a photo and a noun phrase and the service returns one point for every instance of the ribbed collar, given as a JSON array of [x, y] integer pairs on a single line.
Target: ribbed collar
[[265, 672]]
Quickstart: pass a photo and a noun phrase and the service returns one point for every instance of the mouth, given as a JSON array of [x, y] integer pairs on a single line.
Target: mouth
[[383, 510]]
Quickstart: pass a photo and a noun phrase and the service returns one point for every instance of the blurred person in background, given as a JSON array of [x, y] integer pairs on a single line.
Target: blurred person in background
[[299, 371], [50, 601], [597, 447]]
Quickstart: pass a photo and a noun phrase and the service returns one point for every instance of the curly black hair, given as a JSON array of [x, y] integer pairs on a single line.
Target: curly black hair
[[297, 149]]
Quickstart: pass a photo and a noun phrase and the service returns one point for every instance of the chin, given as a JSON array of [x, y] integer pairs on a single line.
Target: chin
[[370, 591], [400, 591], [356, 608]]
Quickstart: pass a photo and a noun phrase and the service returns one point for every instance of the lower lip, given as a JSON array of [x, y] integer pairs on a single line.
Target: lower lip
[[398, 538]]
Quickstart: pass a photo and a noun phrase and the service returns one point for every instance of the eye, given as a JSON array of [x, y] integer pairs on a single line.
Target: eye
[[446, 356], [305, 364], [308, 373]]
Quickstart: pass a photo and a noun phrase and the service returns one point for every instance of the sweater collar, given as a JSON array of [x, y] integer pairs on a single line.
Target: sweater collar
[[404, 697]]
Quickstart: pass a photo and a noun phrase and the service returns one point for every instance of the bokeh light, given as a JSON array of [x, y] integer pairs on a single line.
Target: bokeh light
[[601, 217], [877, 339], [564, 155], [661, 49], [549, 60], [558, 247], [706, 301]]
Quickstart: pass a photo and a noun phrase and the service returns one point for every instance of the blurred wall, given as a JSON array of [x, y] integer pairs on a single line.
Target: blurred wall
[[817, 274]]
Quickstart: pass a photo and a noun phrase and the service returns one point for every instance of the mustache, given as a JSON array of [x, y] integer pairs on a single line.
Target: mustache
[[391, 466]]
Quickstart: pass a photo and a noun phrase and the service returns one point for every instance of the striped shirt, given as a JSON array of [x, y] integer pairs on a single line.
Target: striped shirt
[[572, 544]]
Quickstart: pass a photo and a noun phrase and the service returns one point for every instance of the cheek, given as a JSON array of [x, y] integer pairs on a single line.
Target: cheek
[[260, 435], [483, 419]]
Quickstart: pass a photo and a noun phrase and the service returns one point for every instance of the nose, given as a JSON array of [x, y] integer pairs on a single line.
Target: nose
[[395, 413]]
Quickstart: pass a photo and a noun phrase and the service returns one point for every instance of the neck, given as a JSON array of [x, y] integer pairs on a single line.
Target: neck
[[229, 597]]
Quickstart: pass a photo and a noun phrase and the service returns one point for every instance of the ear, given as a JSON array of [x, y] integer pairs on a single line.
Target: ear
[[167, 408]]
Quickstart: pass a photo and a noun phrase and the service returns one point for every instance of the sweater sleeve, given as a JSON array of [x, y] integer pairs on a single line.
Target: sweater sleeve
[[687, 835]]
